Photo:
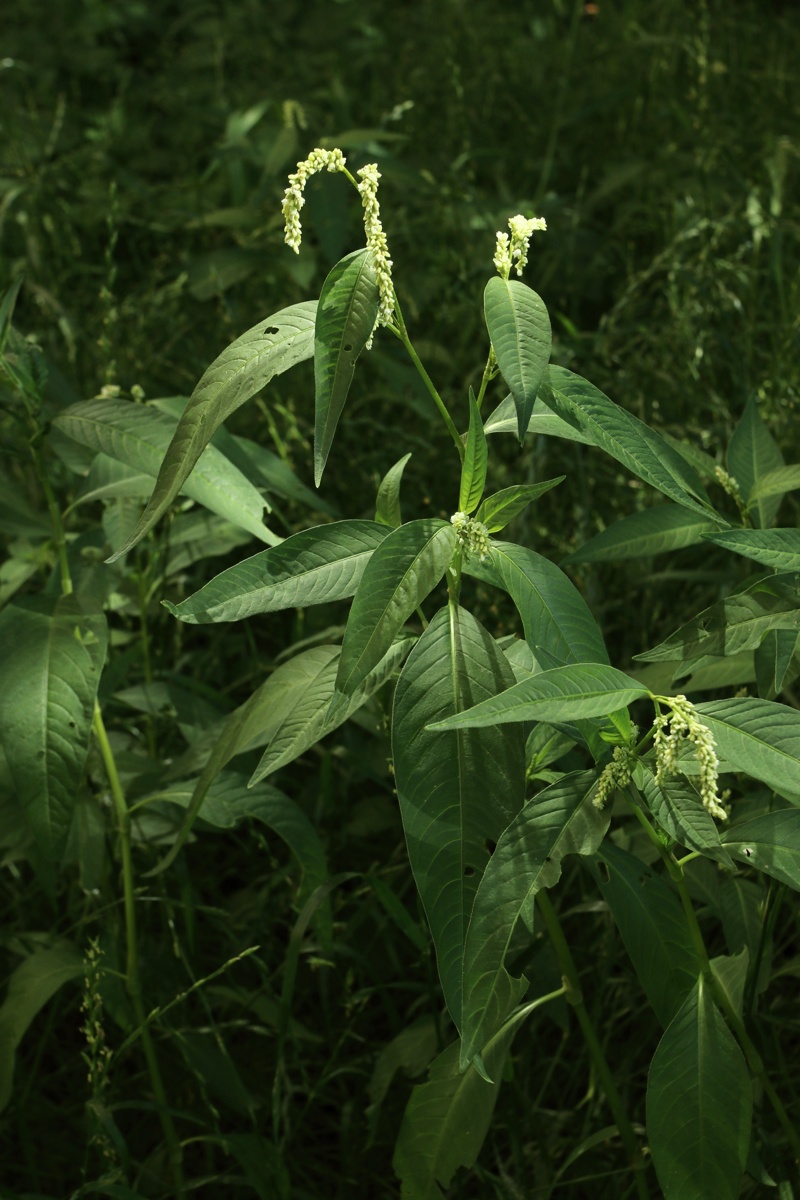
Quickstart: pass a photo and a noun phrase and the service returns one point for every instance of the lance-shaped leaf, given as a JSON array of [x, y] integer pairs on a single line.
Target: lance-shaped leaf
[[776, 482], [753, 454], [52, 652], [679, 811], [570, 693], [654, 531], [653, 926], [776, 548], [497, 510], [314, 566], [313, 716], [244, 368], [560, 820], [387, 502], [737, 623], [457, 791], [775, 663], [554, 615], [638, 447], [519, 328], [758, 737], [346, 314], [543, 420], [699, 1104], [138, 435], [402, 571], [771, 843], [473, 469]]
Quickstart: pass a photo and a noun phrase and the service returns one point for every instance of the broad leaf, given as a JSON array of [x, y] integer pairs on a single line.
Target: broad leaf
[[30, 986], [543, 421], [643, 534], [497, 510], [770, 843], [406, 566], [457, 791], [473, 469], [312, 567], [699, 1104], [570, 693], [555, 616], [653, 926], [387, 503], [773, 661], [758, 737], [753, 454], [244, 368], [519, 328], [560, 820], [776, 482], [679, 811], [346, 314], [632, 443], [776, 548], [138, 435], [52, 652]]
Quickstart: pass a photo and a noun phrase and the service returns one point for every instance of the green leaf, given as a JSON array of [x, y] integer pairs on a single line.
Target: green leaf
[[737, 623], [555, 616], [451, 805], [473, 469], [569, 693], [654, 531], [244, 368], [52, 652], [777, 548], [519, 328], [138, 435], [776, 482], [773, 662], [497, 510], [560, 820], [753, 454], [730, 972], [632, 443], [7, 305], [758, 737], [30, 986], [770, 843], [314, 715], [504, 420], [406, 566], [312, 567], [387, 504], [679, 811], [699, 1104], [346, 315], [653, 926]]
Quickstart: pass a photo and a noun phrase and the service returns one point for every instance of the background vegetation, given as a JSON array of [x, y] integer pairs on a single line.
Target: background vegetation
[[143, 159]]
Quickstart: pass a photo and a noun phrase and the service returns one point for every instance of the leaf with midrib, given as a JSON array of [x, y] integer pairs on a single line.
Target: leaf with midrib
[[244, 368], [519, 328], [758, 737], [769, 843], [473, 469], [776, 548], [654, 531], [315, 566]]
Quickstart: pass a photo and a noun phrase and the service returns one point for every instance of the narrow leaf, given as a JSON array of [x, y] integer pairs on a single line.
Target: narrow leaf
[[497, 510], [451, 804], [758, 737], [406, 566], [519, 328], [654, 531], [387, 504], [679, 811], [543, 421], [753, 454], [569, 693], [348, 307], [560, 820], [699, 1104], [473, 469], [776, 482], [776, 548], [770, 843], [244, 368], [315, 566], [774, 662]]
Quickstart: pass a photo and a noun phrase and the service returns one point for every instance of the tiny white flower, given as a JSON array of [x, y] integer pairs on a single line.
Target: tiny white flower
[[376, 243], [513, 251], [682, 724], [472, 535], [293, 198]]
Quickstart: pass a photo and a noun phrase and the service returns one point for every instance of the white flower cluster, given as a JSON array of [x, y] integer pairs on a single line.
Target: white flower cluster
[[473, 535], [293, 198], [673, 730], [376, 242], [617, 774], [513, 251]]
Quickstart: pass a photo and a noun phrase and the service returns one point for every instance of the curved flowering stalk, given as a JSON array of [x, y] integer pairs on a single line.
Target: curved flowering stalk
[[672, 730], [293, 198]]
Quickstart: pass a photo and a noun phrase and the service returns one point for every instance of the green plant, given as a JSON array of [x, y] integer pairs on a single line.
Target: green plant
[[479, 722]]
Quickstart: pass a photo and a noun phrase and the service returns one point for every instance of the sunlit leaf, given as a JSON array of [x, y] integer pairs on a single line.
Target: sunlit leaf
[[653, 531], [473, 469], [519, 328]]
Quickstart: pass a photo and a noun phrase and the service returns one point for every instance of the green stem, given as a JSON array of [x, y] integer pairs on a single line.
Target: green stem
[[402, 333], [488, 374], [132, 980], [574, 997]]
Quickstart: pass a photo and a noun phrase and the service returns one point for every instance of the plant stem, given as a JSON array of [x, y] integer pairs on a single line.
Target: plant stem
[[402, 333], [488, 374], [132, 980], [574, 997]]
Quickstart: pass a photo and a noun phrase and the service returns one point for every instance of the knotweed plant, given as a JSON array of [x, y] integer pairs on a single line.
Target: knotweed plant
[[489, 812]]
